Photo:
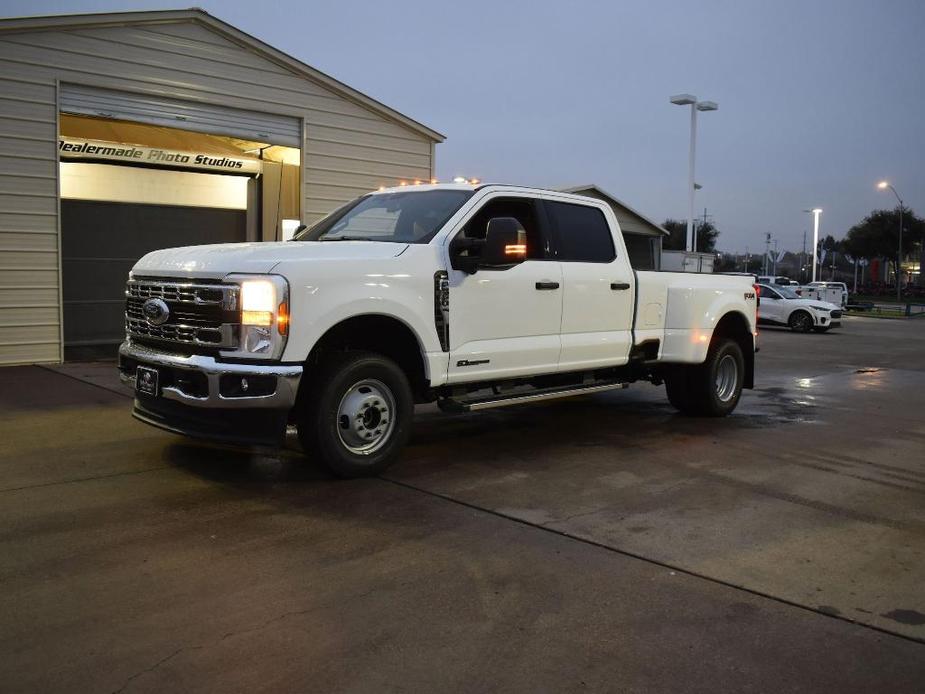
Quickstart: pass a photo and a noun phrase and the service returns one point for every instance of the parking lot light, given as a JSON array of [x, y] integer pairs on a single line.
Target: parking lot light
[[883, 185], [691, 100], [816, 212]]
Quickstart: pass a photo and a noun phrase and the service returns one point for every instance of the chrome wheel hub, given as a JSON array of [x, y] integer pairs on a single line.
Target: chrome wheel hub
[[365, 417], [727, 378]]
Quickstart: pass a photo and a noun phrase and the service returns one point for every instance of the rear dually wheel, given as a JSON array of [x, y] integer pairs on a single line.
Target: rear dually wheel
[[711, 389]]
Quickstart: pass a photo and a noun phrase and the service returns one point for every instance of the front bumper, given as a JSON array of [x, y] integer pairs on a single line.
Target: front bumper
[[205, 398], [828, 320]]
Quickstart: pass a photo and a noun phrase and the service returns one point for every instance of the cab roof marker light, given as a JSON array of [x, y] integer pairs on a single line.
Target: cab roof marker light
[[460, 179]]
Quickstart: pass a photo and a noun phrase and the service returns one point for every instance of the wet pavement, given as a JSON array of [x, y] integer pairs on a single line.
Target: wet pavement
[[601, 543]]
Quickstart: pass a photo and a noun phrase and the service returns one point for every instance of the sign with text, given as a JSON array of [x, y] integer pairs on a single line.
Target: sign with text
[[72, 148]]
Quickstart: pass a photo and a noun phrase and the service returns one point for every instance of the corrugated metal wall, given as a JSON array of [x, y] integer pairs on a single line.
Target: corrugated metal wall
[[349, 149]]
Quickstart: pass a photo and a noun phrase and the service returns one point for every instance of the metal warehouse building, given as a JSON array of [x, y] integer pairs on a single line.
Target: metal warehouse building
[[124, 133]]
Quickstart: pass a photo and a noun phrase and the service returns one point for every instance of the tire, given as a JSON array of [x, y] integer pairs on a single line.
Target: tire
[[800, 322], [821, 329], [678, 388], [711, 389], [357, 415]]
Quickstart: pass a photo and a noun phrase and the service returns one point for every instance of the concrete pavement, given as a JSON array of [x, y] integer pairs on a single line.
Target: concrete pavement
[[596, 544]]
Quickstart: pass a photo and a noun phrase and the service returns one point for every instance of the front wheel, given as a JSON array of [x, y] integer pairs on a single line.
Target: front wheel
[[711, 389], [358, 413], [800, 322]]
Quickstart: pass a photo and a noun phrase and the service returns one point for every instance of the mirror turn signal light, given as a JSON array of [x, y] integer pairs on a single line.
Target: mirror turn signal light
[[515, 249]]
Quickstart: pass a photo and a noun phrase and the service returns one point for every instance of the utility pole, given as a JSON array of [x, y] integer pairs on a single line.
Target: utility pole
[[775, 257]]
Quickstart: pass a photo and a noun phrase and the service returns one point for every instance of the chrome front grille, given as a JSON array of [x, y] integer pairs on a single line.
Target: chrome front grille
[[201, 313], [177, 291]]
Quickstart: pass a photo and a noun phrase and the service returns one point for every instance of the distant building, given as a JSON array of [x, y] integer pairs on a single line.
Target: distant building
[[642, 236]]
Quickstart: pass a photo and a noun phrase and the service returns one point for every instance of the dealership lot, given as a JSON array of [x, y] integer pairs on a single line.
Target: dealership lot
[[602, 543]]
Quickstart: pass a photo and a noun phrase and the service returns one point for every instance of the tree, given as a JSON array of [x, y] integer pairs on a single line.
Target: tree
[[877, 235], [725, 262], [830, 244], [677, 240]]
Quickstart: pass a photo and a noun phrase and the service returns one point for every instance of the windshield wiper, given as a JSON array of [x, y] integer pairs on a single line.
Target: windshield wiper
[[343, 238]]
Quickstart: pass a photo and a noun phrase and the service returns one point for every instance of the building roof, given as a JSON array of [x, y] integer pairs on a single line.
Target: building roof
[[643, 223], [108, 19]]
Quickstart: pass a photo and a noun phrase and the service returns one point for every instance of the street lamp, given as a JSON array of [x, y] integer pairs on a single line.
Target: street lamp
[[816, 212], [883, 185], [691, 100]]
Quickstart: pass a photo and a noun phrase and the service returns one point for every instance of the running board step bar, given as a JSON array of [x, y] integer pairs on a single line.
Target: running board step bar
[[454, 405]]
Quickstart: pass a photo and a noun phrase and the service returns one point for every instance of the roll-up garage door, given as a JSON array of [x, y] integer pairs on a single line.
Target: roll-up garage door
[[188, 115], [100, 243]]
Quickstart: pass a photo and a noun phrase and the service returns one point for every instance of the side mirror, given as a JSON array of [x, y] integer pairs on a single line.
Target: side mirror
[[504, 245]]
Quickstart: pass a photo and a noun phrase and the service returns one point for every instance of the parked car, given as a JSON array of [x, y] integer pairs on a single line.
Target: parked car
[[783, 306], [472, 296]]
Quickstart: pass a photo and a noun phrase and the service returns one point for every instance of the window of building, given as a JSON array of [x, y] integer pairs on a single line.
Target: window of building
[[641, 250]]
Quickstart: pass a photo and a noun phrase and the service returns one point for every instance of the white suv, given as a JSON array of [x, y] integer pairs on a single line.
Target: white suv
[[783, 306]]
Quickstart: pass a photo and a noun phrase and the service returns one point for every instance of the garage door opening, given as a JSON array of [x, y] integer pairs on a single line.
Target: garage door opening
[[131, 188]]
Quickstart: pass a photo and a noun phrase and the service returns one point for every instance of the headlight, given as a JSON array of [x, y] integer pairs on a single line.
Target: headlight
[[258, 301], [264, 316], [820, 308]]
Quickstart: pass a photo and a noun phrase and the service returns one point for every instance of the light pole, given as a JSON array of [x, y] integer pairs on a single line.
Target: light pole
[[691, 100], [816, 212], [883, 185]]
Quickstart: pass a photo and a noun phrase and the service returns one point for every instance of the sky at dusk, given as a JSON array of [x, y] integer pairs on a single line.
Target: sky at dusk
[[818, 100]]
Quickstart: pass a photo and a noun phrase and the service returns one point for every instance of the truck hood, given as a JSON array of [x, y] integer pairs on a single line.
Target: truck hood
[[216, 261]]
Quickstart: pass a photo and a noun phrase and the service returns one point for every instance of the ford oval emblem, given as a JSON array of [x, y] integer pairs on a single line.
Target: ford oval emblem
[[155, 311]]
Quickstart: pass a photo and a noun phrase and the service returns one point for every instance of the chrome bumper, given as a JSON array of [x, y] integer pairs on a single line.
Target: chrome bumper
[[283, 397]]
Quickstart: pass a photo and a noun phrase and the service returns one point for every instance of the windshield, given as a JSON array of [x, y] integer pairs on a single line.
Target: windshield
[[403, 217]]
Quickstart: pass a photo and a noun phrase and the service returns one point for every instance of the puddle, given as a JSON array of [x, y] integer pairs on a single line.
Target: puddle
[[912, 617]]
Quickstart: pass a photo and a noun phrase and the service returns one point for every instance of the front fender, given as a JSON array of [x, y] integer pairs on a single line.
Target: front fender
[[325, 294]]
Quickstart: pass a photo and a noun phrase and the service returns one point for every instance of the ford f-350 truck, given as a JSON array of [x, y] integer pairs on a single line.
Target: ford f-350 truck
[[470, 296]]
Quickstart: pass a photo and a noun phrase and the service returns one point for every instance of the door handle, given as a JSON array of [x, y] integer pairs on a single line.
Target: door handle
[[618, 286], [547, 285]]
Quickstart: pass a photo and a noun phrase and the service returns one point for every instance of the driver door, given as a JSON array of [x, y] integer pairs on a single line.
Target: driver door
[[505, 322], [771, 307]]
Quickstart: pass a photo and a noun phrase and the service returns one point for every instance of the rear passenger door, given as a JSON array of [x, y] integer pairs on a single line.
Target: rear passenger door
[[598, 288]]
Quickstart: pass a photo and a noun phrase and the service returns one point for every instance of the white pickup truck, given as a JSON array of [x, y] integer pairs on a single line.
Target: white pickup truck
[[470, 296]]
